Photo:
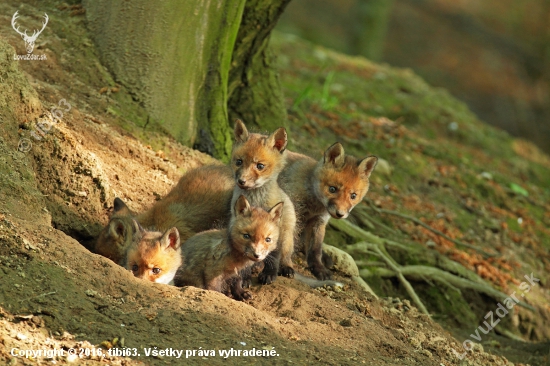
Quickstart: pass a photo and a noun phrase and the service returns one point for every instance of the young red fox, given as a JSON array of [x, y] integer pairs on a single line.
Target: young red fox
[[257, 161], [118, 235], [155, 256], [319, 190], [214, 257], [200, 201]]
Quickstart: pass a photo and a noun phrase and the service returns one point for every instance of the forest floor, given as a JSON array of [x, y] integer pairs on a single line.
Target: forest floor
[[56, 195]]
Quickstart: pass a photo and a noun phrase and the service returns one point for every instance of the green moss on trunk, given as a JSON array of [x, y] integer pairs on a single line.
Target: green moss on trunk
[[174, 57], [255, 94]]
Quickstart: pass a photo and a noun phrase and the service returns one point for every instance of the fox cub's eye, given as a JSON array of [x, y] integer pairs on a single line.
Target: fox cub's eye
[[134, 268], [260, 166], [156, 270], [246, 236], [353, 196], [332, 189], [268, 240], [239, 162]]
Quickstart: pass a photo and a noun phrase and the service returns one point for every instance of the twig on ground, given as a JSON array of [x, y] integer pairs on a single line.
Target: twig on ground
[[38, 296]]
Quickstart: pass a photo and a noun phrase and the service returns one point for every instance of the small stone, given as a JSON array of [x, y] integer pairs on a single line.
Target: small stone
[[383, 167], [90, 293], [346, 323], [21, 336], [426, 353], [37, 320], [486, 175], [453, 126]]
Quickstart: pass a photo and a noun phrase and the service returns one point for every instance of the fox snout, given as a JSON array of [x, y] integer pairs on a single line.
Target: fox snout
[[244, 179], [256, 255], [338, 212], [244, 183]]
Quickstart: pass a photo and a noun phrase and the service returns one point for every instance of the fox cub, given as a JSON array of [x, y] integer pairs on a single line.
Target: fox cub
[[257, 160], [119, 234], [155, 256], [319, 190], [200, 201], [213, 258]]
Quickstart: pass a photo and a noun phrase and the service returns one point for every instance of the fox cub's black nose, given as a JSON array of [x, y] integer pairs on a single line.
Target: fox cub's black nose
[[241, 181], [256, 255], [339, 214]]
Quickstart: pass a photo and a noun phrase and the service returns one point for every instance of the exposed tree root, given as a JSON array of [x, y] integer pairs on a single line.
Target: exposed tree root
[[397, 271], [375, 245], [445, 278]]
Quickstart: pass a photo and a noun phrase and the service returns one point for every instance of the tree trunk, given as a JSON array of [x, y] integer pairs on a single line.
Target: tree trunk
[[175, 58], [255, 94]]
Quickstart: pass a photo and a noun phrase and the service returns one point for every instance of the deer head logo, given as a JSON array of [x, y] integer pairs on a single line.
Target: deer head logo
[[29, 40]]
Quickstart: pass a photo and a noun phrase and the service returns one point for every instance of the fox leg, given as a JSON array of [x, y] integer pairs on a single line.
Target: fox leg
[[314, 236], [271, 268], [246, 274], [236, 287], [286, 239]]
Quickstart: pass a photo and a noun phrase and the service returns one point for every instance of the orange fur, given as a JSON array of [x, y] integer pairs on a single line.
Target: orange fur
[[200, 201], [257, 161], [319, 190], [155, 257], [215, 256]]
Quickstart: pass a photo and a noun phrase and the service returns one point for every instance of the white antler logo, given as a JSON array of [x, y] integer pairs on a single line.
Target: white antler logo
[[29, 40]]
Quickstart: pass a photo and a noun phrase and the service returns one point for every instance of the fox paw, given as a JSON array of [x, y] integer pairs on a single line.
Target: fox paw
[[321, 272], [327, 260], [246, 282], [242, 295], [267, 278], [286, 271]]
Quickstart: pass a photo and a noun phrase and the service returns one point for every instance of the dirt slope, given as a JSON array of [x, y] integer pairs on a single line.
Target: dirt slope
[[54, 290], [56, 294]]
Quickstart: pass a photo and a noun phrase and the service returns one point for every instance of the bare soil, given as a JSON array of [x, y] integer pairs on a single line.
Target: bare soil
[[56, 294]]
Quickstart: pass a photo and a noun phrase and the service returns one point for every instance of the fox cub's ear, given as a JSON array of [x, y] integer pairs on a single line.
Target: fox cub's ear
[[120, 208], [138, 229], [277, 140], [170, 239], [240, 132], [242, 207], [366, 166], [117, 229], [276, 212], [335, 155]]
